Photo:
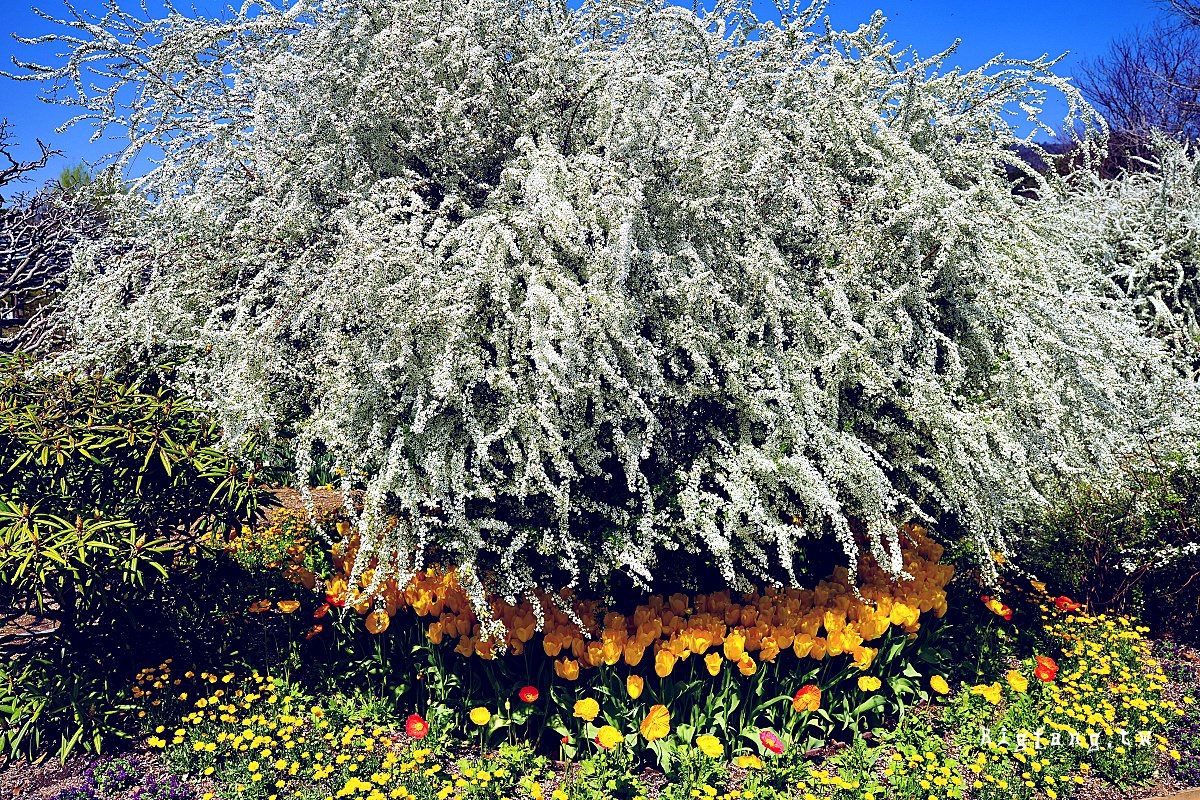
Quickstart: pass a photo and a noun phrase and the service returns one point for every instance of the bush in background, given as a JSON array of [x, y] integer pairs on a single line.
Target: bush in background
[[1130, 546]]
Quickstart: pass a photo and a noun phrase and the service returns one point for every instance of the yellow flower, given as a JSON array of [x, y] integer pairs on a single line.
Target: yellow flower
[[566, 668], [634, 685], [664, 662], [868, 683], [587, 709], [480, 715], [749, 762], [378, 621], [657, 723], [1017, 681], [734, 646], [287, 606], [991, 693], [608, 737], [710, 746], [939, 685], [713, 662]]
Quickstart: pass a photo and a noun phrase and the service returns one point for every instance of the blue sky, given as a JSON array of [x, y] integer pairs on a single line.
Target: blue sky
[[1017, 28]]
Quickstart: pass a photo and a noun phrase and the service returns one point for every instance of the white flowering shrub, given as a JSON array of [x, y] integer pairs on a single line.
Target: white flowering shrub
[[577, 293], [1146, 231]]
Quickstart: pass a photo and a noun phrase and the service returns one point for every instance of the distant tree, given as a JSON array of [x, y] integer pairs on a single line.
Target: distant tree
[[73, 178], [19, 171], [1188, 11], [1147, 81], [37, 232]]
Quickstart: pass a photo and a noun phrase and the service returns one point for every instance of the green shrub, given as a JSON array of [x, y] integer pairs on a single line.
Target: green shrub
[[1131, 547], [104, 486]]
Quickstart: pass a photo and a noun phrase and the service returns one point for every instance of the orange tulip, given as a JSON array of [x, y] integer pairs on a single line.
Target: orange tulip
[[566, 669], [378, 621]]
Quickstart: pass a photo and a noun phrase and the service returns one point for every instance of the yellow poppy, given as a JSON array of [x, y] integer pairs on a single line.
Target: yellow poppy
[[868, 683], [481, 716], [587, 709], [939, 685], [608, 737], [991, 692], [710, 746], [287, 606], [1017, 681], [749, 762], [657, 723]]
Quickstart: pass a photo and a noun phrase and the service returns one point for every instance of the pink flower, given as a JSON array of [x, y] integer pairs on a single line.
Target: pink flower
[[771, 742]]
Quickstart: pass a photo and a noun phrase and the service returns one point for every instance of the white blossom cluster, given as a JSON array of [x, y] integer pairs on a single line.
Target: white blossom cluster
[[1146, 230], [575, 292]]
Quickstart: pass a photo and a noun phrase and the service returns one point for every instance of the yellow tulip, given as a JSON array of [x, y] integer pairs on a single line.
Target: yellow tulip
[[802, 645], [713, 662], [566, 669], [734, 647], [863, 656], [747, 665], [378, 621], [664, 662], [634, 685], [818, 648]]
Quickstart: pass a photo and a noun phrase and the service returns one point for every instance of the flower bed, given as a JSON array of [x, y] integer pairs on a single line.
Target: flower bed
[[1090, 706]]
